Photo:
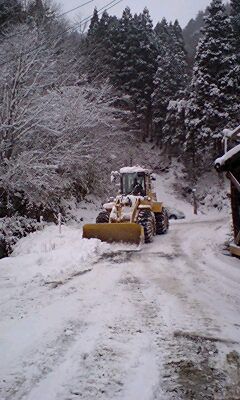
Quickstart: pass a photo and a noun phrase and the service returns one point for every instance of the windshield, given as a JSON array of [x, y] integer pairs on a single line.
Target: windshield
[[130, 181]]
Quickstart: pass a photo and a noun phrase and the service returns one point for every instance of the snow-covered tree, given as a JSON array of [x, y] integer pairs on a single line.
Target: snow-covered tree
[[41, 12], [192, 34], [98, 46], [214, 98], [120, 74], [134, 64], [143, 65], [235, 18], [93, 23], [171, 77], [180, 54], [52, 127], [174, 131]]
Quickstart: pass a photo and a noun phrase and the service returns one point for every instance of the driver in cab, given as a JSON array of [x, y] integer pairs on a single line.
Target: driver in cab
[[137, 188]]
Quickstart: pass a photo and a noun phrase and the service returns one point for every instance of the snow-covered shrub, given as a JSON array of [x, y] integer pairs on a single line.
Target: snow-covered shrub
[[12, 229]]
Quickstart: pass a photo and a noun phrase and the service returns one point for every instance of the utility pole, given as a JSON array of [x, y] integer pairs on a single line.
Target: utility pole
[[195, 205], [131, 158], [60, 223]]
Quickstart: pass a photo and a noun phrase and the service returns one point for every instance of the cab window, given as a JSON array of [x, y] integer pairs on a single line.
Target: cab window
[[129, 180]]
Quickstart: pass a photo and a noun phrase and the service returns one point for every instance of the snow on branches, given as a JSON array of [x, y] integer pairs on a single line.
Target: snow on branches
[[51, 125]]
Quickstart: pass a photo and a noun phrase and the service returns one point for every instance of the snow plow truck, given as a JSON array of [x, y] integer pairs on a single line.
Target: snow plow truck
[[134, 216]]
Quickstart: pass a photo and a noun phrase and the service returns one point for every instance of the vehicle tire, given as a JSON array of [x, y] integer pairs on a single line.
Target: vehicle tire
[[103, 217], [173, 216], [147, 221], [162, 222]]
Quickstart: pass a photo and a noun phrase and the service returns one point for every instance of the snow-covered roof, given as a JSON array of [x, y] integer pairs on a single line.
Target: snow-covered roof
[[221, 161], [232, 134], [129, 170]]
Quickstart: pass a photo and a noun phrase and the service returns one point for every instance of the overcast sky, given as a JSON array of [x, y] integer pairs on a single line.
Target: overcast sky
[[183, 10]]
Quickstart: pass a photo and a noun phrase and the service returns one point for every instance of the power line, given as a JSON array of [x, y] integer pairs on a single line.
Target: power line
[[67, 12], [106, 7], [75, 8], [87, 19]]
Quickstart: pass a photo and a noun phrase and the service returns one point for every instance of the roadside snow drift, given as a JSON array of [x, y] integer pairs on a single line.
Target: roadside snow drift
[[49, 256]]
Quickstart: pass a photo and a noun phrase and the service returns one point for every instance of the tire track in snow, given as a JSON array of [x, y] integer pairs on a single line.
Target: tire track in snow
[[111, 334], [43, 349]]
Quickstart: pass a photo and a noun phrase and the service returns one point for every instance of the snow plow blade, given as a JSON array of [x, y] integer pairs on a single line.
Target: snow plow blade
[[115, 232]]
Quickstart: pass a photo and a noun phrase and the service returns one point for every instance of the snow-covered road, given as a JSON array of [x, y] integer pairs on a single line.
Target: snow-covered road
[[106, 322]]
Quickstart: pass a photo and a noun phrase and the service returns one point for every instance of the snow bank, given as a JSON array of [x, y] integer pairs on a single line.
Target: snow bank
[[50, 256], [50, 240]]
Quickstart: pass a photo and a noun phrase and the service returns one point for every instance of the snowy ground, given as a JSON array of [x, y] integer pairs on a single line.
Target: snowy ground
[[83, 319]]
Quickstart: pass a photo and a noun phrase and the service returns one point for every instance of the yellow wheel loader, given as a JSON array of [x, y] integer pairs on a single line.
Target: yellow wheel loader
[[135, 215]]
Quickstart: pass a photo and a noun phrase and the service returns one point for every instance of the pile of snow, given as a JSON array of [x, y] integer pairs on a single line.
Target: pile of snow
[[12, 229], [47, 255]]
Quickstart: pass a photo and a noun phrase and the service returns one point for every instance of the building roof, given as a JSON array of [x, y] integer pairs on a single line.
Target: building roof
[[232, 134], [129, 170], [231, 158]]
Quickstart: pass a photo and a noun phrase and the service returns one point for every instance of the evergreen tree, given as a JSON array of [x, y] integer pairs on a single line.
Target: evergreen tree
[[214, 98], [40, 12], [174, 130], [103, 24], [120, 51], [98, 45], [162, 32], [171, 76], [134, 64], [93, 23], [164, 91], [91, 48], [180, 54], [192, 34], [235, 18], [144, 57]]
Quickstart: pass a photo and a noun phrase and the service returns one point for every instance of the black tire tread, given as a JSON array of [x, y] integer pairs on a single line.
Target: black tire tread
[[162, 222], [146, 220], [103, 217]]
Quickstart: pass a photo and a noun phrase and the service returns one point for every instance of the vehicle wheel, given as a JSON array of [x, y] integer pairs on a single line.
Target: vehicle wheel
[[162, 222], [173, 216], [103, 217], [146, 220]]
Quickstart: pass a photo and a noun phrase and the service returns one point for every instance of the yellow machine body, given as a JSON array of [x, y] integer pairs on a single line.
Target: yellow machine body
[[123, 219]]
